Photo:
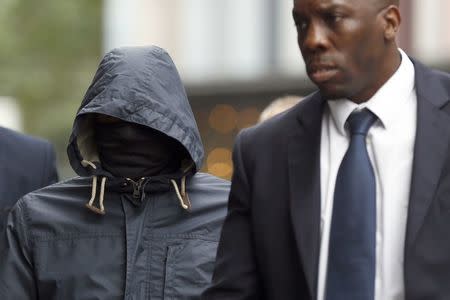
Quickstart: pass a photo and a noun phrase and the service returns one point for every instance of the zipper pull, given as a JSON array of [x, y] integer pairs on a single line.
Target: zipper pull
[[137, 185]]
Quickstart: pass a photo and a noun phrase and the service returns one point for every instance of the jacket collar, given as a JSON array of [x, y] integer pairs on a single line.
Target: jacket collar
[[304, 182], [430, 149]]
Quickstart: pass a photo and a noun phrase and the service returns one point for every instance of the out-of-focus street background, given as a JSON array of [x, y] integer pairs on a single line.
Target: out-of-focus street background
[[234, 57]]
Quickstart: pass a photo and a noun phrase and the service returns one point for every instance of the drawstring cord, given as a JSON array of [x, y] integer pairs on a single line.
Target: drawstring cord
[[182, 196], [101, 209]]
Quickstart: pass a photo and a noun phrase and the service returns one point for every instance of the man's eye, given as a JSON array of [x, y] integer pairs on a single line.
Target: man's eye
[[301, 25], [333, 18]]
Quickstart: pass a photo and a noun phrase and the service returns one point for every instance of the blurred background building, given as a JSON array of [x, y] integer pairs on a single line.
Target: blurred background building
[[234, 57]]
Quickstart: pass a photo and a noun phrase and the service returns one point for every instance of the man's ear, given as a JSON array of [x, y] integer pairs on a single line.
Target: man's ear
[[392, 20]]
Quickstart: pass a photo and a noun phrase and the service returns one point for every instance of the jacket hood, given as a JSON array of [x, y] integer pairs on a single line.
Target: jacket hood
[[139, 85]]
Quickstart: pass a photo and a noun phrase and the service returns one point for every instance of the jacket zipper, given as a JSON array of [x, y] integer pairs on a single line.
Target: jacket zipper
[[137, 185]]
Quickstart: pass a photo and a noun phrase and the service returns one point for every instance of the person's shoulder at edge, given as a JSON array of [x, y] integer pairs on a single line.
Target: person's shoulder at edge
[[443, 76], [11, 136], [27, 149], [36, 153]]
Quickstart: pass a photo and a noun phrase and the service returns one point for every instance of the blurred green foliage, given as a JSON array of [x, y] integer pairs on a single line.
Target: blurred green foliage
[[49, 52]]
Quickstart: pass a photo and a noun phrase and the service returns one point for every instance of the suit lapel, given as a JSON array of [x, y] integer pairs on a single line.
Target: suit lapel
[[304, 182], [430, 150]]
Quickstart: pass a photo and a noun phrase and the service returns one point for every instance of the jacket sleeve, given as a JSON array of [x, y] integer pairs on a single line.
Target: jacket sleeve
[[235, 275], [16, 268]]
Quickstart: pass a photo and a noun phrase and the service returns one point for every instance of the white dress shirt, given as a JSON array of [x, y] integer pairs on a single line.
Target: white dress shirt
[[390, 144]]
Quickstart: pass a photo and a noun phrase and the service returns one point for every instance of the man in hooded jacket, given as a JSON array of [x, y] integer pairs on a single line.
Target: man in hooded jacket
[[139, 222]]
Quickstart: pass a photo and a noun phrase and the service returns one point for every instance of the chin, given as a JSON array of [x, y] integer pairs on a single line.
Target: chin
[[332, 93]]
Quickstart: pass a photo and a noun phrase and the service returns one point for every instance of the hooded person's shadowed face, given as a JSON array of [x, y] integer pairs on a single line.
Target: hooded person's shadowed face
[[133, 151]]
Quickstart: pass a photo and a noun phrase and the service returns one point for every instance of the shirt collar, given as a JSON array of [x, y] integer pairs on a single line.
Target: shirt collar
[[386, 103]]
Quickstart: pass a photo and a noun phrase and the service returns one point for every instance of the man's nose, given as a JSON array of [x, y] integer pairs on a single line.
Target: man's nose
[[316, 37]]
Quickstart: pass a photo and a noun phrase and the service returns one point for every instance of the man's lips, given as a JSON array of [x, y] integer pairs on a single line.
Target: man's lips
[[322, 73]]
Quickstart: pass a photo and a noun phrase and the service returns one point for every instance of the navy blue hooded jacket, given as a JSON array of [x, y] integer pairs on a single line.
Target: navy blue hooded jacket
[[152, 239]]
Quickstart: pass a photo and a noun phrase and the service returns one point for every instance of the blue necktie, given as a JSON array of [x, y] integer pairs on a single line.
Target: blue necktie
[[351, 254]]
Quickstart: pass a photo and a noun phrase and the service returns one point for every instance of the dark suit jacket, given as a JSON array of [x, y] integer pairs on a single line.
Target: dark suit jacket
[[270, 240], [26, 164]]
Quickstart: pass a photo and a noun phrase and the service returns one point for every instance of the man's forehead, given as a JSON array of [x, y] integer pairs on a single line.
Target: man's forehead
[[328, 4], [378, 3], [353, 5]]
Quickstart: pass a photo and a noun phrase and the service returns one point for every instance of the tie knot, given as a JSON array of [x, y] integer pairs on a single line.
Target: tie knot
[[359, 122]]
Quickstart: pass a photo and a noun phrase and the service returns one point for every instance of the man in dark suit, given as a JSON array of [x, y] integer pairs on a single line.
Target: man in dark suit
[[26, 164], [346, 195]]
